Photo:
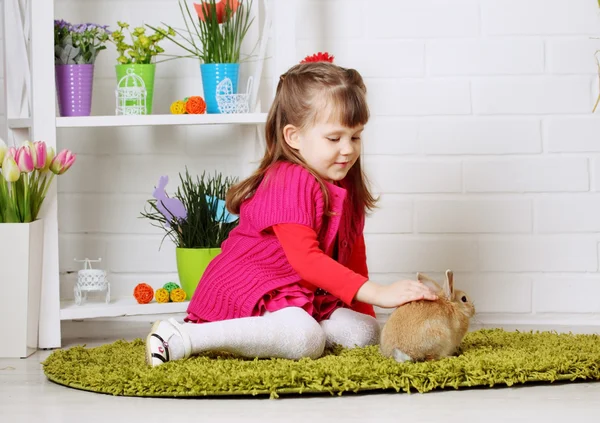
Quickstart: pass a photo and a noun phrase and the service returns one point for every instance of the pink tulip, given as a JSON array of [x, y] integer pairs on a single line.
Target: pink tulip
[[39, 148], [62, 162], [12, 151], [29, 146], [24, 159], [10, 170]]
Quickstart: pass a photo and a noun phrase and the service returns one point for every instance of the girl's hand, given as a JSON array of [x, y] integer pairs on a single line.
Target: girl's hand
[[394, 295], [402, 292]]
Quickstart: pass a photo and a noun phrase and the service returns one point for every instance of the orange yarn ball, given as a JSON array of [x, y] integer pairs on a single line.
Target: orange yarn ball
[[195, 105], [162, 295], [178, 295], [143, 293]]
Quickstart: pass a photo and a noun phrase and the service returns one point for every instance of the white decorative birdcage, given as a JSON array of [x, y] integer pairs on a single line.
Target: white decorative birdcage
[[229, 102], [90, 280], [131, 94]]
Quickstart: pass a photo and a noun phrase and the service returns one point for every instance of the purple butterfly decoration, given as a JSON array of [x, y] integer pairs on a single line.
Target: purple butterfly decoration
[[171, 208]]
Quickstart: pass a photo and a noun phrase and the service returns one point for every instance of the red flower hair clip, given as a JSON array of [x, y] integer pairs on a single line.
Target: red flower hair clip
[[318, 57]]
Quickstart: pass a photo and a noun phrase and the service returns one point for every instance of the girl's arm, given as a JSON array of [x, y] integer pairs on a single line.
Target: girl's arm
[[358, 258], [358, 263], [301, 248]]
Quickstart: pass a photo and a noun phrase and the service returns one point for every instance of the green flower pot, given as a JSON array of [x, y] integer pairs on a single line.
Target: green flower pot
[[191, 264], [146, 72]]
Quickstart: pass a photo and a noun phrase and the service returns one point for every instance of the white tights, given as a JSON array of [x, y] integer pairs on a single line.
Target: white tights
[[287, 333]]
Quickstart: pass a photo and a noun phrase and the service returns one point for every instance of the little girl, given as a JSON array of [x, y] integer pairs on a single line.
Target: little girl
[[292, 277]]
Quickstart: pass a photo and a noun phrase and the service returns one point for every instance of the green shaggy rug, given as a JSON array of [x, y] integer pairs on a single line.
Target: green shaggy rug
[[487, 358]]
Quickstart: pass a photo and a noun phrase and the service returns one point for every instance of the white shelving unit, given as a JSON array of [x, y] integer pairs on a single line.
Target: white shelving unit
[[147, 120], [117, 308], [31, 114]]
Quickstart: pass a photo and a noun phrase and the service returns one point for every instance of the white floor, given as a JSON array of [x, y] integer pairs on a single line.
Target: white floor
[[26, 396]]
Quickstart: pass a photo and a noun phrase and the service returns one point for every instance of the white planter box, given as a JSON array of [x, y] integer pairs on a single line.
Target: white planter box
[[21, 250]]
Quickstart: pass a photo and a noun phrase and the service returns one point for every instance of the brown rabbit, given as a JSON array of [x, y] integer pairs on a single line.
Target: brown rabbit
[[428, 330]]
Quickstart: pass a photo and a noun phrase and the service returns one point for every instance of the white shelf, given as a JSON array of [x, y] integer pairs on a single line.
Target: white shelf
[[148, 120], [117, 308], [160, 120], [20, 123]]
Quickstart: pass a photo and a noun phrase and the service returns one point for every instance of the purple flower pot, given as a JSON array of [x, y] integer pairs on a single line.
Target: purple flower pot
[[74, 89]]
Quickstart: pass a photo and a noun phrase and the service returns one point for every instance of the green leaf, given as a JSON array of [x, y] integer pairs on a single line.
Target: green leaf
[[143, 47]]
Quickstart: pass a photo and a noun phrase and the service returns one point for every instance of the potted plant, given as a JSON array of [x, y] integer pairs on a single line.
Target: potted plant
[[195, 219], [214, 36], [26, 173], [75, 50], [138, 54]]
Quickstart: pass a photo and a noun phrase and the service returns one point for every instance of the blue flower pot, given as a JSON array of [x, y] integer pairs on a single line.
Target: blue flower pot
[[212, 74]]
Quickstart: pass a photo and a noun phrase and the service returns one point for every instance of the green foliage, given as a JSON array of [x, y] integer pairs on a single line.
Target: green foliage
[[200, 228], [218, 37], [20, 201], [142, 48]]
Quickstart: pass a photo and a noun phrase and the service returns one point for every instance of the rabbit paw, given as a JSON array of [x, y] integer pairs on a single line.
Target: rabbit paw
[[401, 357]]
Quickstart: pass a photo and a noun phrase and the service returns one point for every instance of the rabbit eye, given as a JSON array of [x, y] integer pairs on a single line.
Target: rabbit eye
[[464, 299]]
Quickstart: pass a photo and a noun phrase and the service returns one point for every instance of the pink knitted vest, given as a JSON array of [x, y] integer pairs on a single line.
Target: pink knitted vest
[[252, 262]]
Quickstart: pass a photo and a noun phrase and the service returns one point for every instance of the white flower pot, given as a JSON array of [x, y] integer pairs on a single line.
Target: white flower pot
[[21, 253]]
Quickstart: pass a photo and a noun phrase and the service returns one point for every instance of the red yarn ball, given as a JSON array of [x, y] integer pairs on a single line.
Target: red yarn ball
[[143, 293]]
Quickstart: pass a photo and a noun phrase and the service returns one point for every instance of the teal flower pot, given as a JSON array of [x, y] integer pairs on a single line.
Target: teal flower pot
[[212, 74]]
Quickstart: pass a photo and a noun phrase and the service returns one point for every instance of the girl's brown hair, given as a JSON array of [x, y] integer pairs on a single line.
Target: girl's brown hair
[[302, 92]]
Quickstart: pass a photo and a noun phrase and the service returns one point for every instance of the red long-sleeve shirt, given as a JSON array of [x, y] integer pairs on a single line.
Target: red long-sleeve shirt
[[319, 270]]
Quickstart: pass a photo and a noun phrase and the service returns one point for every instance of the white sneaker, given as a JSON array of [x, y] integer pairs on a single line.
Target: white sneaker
[[157, 342]]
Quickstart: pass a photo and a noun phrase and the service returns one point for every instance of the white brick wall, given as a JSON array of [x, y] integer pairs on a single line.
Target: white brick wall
[[473, 216], [540, 174], [419, 97], [571, 55], [420, 19], [485, 57], [539, 17], [572, 134], [532, 95], [480, 136], [482, 146]]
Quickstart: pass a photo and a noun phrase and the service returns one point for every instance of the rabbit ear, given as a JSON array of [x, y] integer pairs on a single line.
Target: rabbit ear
[[421, 277], [426, 280], [449, 284]]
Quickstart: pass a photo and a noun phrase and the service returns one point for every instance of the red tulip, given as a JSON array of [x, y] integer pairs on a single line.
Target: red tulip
[[219, 7]]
